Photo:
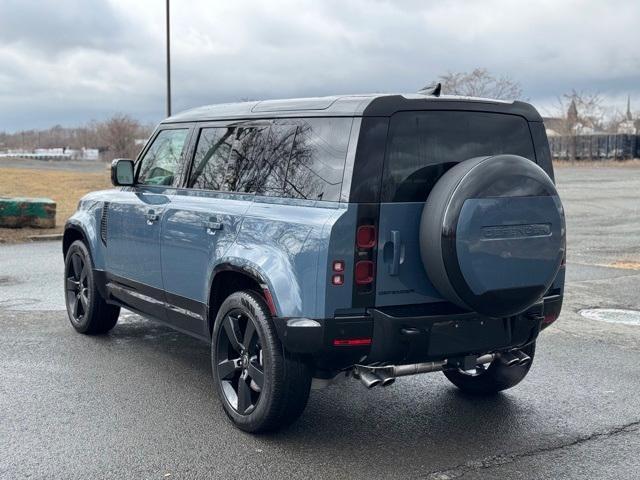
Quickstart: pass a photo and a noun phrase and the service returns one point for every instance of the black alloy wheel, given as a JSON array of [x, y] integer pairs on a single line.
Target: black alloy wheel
[[239, 361], [262, 387], [77, 288], [88, 312]]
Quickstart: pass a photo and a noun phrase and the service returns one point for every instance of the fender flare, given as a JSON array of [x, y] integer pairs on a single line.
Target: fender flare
[[70, 225], [246, 270]]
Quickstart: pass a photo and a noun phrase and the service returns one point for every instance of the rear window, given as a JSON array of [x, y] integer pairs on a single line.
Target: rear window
[[422, 146]]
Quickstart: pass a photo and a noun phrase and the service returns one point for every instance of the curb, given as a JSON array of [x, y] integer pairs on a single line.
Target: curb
[[45, 238]]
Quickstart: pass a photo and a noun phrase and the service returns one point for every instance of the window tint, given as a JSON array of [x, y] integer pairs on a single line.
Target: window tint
[[543, 154], [211, 158], [316, 164], [422, 146], [289, 158], [247, 151], [275, 158], [161, 163], [242, 159]]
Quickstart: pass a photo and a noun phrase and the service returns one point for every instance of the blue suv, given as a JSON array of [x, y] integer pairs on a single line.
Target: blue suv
[[366, 236]]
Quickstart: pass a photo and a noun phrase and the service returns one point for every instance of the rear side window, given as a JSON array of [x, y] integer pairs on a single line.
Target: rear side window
[[242, 173], [422, 146], [316, 164], [275, 159]]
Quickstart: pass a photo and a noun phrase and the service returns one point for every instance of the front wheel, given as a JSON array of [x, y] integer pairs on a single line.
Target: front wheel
[[261, 386], [492, 378], [88, 312]]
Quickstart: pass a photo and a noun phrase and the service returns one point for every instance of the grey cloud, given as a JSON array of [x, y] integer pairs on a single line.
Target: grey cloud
[[61, 62], [54, 26]]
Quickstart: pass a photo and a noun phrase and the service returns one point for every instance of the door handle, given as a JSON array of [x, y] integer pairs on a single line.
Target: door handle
[[151, 217], [395, 262], [212, 225]]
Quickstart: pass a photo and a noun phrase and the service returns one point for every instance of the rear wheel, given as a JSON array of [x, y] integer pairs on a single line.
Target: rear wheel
[[88, 312], [261, 386], [491, 378]]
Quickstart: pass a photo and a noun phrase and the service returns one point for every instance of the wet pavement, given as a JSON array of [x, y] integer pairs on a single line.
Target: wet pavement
[[138, 403]]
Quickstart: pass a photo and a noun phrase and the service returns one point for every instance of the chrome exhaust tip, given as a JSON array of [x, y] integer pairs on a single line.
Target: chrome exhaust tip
[[386, 378], [369, 379], [509, 359], [523, 358]]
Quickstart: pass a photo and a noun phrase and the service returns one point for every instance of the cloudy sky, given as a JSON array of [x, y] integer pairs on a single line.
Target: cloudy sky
[[69, 61]]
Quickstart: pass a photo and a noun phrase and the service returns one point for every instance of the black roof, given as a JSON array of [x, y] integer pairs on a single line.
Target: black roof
[[350, 106]]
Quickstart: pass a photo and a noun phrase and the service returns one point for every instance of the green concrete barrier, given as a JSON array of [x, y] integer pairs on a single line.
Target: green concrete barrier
[[19, 212]]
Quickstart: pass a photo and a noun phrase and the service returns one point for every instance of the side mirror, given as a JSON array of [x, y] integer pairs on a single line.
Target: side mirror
[[122, 172]]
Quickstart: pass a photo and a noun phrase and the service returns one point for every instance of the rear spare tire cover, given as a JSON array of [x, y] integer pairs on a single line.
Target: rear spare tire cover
[[492, 234]]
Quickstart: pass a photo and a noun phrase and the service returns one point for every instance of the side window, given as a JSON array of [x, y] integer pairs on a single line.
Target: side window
[[247, 152], [316, 165], [161, 163], [249, 159], [211, 158], [275, 158]]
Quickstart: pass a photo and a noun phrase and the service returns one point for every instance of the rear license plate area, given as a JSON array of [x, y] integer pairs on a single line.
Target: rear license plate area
[[453, 337]]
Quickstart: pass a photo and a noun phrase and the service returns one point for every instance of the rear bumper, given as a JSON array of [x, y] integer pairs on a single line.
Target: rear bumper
[[411, 334]]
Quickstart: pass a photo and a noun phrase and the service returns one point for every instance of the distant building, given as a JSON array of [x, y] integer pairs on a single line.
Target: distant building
[[90, 154], [629, 125], [554, 126]]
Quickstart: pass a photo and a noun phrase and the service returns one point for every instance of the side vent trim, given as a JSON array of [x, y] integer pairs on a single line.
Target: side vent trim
[[103, 223]]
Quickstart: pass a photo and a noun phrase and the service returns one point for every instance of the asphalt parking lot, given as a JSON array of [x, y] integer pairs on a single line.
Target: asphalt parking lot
[[138, 403]]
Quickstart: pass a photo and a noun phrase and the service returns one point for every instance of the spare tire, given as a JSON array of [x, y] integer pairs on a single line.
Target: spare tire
[[492, 234]]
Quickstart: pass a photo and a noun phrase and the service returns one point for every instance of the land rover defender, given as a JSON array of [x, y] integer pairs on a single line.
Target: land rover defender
[[368, 236]]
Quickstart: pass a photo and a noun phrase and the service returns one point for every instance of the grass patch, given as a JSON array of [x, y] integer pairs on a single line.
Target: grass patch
[[64, 187], [634, 163]]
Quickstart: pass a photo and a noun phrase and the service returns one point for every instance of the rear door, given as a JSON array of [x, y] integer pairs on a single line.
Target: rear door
[[421, 147], [205, 216]]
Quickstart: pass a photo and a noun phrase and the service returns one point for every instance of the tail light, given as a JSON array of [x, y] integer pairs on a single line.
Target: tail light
[[364, 272], [366, 236]]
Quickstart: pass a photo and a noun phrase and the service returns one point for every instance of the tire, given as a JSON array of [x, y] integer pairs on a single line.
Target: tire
[[493, 379], [262, 388], [88, 312]]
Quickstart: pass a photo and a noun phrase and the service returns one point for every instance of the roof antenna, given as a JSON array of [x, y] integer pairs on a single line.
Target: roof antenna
[[431, 90]]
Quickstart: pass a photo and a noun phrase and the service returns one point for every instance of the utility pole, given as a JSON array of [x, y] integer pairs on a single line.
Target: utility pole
[[168, 65]]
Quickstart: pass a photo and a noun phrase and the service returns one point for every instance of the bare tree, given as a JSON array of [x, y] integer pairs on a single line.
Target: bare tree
[[581, 111], [480, 83], [118, 136]]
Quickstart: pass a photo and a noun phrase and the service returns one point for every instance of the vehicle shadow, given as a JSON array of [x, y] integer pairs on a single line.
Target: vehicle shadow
[[421, 416]]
